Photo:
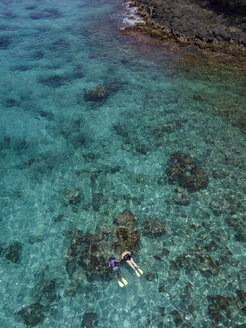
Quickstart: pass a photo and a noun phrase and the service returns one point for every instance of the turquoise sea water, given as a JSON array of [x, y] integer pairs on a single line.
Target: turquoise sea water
[[53, 142]]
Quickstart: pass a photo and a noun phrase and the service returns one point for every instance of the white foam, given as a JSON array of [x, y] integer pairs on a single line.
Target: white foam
[[131, 17]]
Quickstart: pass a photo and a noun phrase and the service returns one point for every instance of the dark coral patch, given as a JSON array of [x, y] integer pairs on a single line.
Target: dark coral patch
[[194, 182], [10, 102], [4, 42], [13, 252], [153, 228], [98, 200], [99, 93], [47, 13], [220, 308], [207, 265], [32, 314], [90, 320], [184, 170], [54, 81], [89, 253]]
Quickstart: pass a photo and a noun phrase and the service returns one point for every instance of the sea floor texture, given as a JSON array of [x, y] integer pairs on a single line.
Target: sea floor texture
[[93, 123]]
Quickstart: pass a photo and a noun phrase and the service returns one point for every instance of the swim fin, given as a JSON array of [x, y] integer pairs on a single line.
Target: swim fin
[[137, 273], [120, 284], [124, 281], [140, 270]]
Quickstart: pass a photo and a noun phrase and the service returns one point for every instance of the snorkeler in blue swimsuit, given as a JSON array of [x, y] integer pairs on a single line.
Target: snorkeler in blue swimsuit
[[115, 268]]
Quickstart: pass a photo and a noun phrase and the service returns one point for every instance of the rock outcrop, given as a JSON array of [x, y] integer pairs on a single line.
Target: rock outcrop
[[202, 24]]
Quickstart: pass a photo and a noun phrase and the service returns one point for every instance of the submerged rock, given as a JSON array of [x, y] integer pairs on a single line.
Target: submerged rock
[[4, 42], [58, 218], [11, 102], [90, 320], [51, 13], [22, 145], [153, 228], [121, 130], [239, 225], [54, 81], [181, 197], [241, 295], [13, 252], [150, 276], [98, 199], [207, 265], [49, 291], [73, 197], [178, 318], [32, 314], [141, 148], [220, 308], [35, 239], [99, 93], [224, 204], [184, 170], [194, 182]]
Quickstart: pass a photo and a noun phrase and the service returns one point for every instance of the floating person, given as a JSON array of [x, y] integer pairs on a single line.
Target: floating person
[[115, 268], [128, 258]]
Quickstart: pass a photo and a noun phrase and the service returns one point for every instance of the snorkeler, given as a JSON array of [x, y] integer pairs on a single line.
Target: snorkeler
[[128, 258], [115, 268]]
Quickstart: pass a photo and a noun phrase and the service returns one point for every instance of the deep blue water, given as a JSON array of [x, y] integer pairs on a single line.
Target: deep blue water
[[54, 144]]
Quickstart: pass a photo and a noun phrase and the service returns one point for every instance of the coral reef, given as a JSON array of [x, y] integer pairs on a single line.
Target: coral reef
[[32, 314], [98, 199], [44, 293], [181, 197], [89, 253], [101, 92], [196, 261], [153, 228], [239, 225], [12, 252], [73, 197], [90, 320], [184, 170]]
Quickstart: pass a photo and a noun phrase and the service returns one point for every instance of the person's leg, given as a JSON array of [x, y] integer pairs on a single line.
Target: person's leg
[[116, 277], [131, 265], [136, 266]]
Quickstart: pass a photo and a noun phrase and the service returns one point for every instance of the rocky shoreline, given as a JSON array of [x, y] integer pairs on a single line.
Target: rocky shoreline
[[189, 22]]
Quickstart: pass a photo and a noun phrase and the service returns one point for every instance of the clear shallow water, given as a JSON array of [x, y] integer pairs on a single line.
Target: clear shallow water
[[48, 133]]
